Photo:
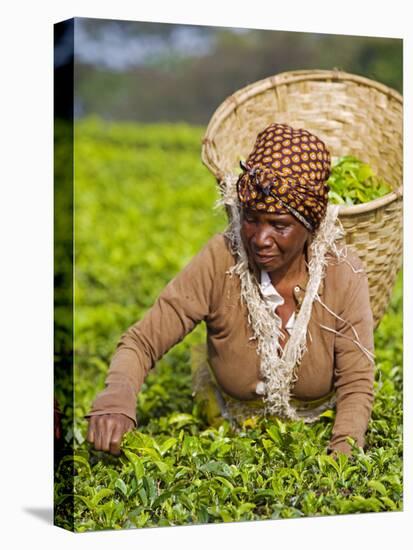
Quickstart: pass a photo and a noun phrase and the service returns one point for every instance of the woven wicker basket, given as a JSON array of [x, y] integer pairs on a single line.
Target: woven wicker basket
[[353, 116]]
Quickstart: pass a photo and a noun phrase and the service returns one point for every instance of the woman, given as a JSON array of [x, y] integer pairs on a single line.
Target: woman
[[289, 324]]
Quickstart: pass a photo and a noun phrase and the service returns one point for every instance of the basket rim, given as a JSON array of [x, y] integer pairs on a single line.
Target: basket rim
[[363, 208], [287, 77]]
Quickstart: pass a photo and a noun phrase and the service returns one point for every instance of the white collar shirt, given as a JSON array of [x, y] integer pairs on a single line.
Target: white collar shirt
[[272, 297]]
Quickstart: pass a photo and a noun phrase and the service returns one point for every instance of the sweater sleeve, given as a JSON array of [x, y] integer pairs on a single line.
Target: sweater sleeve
[[354, 368], [184, 302]]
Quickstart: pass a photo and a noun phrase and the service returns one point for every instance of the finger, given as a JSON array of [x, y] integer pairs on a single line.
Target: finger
[[91, 430], [116, 440], [127, 424], [107, 434], [100, 428], [131, 426]]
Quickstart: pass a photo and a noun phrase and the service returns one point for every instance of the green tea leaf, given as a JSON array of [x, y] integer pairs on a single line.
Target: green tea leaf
[[377, 486], [168, 444]]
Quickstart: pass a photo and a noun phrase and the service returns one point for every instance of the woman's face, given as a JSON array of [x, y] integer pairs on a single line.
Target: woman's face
[[273, 240]]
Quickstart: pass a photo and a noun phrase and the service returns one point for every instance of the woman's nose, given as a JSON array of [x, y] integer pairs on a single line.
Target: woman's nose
[[262, 237]]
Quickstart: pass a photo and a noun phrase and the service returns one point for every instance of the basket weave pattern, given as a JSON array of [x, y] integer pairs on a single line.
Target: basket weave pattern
[[353, 116]]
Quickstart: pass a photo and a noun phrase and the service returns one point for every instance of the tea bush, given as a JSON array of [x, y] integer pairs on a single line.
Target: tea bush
[[143, 208]]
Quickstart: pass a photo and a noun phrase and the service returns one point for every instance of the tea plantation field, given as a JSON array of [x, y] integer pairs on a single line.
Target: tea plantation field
[[144, 206]]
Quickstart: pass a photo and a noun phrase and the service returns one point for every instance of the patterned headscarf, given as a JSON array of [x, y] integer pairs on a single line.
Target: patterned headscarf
[[287, 172]]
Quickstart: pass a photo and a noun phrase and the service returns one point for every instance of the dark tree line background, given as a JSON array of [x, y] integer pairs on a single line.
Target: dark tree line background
[[167, 72]]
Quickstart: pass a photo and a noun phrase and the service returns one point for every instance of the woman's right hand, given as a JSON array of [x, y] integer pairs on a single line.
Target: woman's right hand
[[106, 431]]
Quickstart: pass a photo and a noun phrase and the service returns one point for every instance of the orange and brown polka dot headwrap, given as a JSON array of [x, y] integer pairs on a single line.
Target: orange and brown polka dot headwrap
[[287, 172]]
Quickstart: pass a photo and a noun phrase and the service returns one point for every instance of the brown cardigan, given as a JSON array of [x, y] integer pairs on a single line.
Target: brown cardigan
[[203, 291]]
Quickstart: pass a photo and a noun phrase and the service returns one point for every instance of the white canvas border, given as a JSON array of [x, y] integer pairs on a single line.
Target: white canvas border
[[27, 268]]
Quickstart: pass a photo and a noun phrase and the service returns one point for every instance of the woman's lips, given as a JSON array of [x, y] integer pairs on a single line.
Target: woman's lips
[[264, 259]]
